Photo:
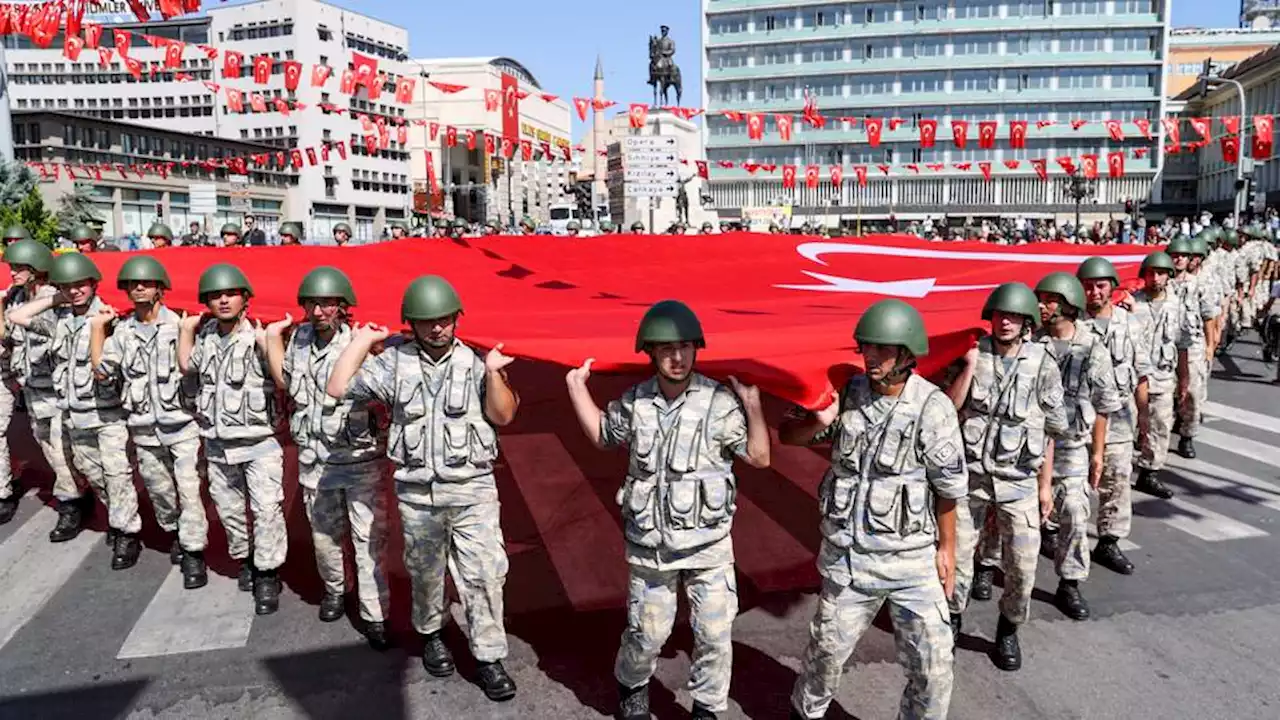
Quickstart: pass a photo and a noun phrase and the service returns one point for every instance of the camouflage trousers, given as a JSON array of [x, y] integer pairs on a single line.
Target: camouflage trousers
[[359, 506], [1159, 433], [1115, 504], [1197, 391], [51, 436], [1017, 525], [1071, 511], [101, 455], [171, 474], [6, 415], [260, 482], [847, 606], [651, 612], [466, 541]]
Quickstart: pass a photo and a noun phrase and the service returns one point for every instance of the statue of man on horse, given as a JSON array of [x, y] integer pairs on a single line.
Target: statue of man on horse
[[664, 74]]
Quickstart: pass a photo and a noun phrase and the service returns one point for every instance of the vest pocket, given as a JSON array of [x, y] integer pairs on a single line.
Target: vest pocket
[[836, 497], [638, 504], [456, 449], [847, 450], [717, 499], [894, 444], [484, 444], [884, 506], [917, 516], [684, 453], [136, 400], [644, 450], [682, 504], [1009, 442]]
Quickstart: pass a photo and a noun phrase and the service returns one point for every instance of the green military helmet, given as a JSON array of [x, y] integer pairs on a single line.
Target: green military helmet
[[637, 227], [1158, 260], [30, 253], [223, 276], [459, 223], [606, 226], [528, 222], [16, 232], [1199, 246], [1097, 268], [441, 223], [1231, 239], [1014, 298], [73, 267], [82, 232], [230, 229], [142, 268], [893, 322], [1180, 245], [708, 226], [669, 321], [429, 297], [342, 227], [292, 229], [326, 282], [1064, 284], [573, 225], [160, 230]]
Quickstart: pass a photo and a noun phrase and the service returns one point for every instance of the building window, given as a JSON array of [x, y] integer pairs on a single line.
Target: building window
[[1131, 79], [1033, 44], [1133, 7], [924, 83], [975, 81], [1082, 7], [1080, 42], [977, 45], [1079, 79], [976, 8]]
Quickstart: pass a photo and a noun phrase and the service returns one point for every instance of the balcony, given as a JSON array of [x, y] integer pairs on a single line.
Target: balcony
[[898, 171], [879, 103], [936, 63], [927, 27], [910, 134]]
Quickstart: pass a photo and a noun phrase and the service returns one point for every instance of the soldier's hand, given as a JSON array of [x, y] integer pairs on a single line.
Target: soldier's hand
[[372, 334], [1096, 464], [971, 356], [105, 316], [829, 414], [946, 563], [577, 377], [1046, 504], [277, 328], [749, 394], [495, 360], [191, 322]]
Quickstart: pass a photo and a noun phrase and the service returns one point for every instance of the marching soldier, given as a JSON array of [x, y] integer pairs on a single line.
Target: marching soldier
[[1194, 293], [14, 233], [888, 517], [339, 450], [161, 235], [682, 431], [245, 462], [527, 226], [637, 227], [141, 357], [573, 228], [1169, 341], [231, 235], [707, 229], [92, 416], [1009, 394], [445, 401], [84, 238], [458, 228], [291, 233], [441, 228], [341, 234], [1125, 336]]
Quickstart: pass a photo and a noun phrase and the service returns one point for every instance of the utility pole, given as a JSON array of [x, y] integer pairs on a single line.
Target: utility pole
[[1207, 80]]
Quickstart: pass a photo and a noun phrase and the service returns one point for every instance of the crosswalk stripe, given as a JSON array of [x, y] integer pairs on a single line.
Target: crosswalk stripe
[[32, 569], [218, 616], [1199, 522], [1244, 447], [1216, 477], [1244, 417], [567, 512]]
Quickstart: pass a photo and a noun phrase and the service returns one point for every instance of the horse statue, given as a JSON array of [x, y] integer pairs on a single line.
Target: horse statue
[[664, 74]]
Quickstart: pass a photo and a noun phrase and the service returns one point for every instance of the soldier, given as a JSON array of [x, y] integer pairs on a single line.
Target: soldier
[[92, 417], [637, 227], [1168, 340], [682, 430], [141, 356], [84, 238], [341, 234], [14, 233], [291, 233], [1195, 295], [458, 228], [441, 227], [339, 450], [398, 231], [888, 506], [445, 401], [1125, 336], [230, 235], [1009, 394], [707, 229], [161, 235], [573, 229], [527, 225], [606, 227], [1090, 397], [725, 226], [234, 410]]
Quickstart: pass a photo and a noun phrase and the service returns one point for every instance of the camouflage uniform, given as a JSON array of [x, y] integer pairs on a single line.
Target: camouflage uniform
[[1168, 331], [444, 449], [1010, 408], [8, 387], [32, 364], [143, 358], [1125, 335], [1200, 304], [1089, 389], [677, 508], [890, 458], [234, 410], [339, 469]]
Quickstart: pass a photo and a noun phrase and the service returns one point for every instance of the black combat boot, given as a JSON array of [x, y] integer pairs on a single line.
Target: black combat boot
[[8, 506], [982, 580], [194, 573], [1187, 448], [1150, 483], [332, 607], [266, 592], [376, 633], [126, 551], [957, 621], [494, 680], [633, 703], [70, 520], [1070, 601], [1008, 653], [436, 658], [1108, 555], [1048, 542], [702, 713], [244, 580], [175, 553]]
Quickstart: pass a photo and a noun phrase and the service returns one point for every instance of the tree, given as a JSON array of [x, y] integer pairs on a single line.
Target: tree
[[31, 213], [77, 208], [16, 182]]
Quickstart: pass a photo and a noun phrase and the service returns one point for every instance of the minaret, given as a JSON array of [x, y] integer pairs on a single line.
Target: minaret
[[600, 139]]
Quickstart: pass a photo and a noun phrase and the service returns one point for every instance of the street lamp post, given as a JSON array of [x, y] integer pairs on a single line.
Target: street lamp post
[[1078, 189], [1208, 79]]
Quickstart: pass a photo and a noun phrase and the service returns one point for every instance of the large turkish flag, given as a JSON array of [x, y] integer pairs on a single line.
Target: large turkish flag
[[510, 107]]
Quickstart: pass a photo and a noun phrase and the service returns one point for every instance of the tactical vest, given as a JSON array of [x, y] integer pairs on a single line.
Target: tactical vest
[[1122, 347], [90, 403], [876, 493], [680, 488], [33, 352], [1075, 367], [1190, 295], [1163, 326], [324, 428], [235, 401], [1003, 422], [445, 432], [155, 393]]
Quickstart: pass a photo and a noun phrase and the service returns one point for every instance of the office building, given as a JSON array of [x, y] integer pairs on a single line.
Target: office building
[[1223, 47], [1052, 61]]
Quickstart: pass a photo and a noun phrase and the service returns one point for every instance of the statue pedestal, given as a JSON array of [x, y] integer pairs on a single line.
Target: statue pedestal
[[657, 214]]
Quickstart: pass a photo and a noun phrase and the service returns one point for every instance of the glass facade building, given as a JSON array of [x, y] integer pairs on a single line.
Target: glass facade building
[[1047, 61]]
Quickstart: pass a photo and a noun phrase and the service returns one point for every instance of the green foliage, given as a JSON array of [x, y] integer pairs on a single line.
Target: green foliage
[[31, 213], [77, 208], [16, 182]]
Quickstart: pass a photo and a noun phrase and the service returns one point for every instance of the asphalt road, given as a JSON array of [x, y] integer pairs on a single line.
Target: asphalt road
[[1190, 635]]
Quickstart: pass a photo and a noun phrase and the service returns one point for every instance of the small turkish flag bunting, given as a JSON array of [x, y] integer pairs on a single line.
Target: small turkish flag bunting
[[447, 88]]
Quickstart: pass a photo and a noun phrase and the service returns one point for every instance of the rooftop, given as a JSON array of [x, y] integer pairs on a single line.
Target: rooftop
[[19, 115], [227, 8], [1266, 57], [496, 60]]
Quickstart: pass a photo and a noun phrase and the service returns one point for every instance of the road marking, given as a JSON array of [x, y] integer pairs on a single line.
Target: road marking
[[579, 533], [1197, 521], [218, 616], [1251, 449], [1243, 417], [1126, 545], [1216, 477], [32, 569]]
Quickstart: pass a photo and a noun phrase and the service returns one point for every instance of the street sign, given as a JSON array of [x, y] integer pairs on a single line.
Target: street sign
[[650, 174], [203, 198], [651, 189], [650, 158], [631, 143]]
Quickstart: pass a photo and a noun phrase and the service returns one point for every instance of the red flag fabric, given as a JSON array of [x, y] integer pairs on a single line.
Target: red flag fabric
[[526, 150], [702, 168], [1204, 126], [960, 133], [347, 83], [232, 62], [789, 176], [1144, 127], [450, 136], [235, 100], [123, 40], [580, 104], [1230, 149], [987, 134], [1171, 133], [295, 158], [173, 55], [282, 106], [404, 90], [490, 144], [860, 172], [133, 66], [433, 130], [928, 133], [365, 69], [508, 148], [262, 69], [811, 176], [837, 176], [1089, 164], [446, 88], [985, 167], [491, 99], [1114, 130], [320, 75], [92, 35], [784, 126], [104, 56], [510, 107], [1232, 124], [292, 74], [257, 102], [875, 126], [311, 156], [1263, 136], [1018, 134], [471, 138], [755, 126], [1115, 164], [636, 114], [71, 49]]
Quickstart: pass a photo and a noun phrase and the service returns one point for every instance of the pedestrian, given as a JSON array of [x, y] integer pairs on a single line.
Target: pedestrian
[[682, 431], [444, 400], [253, 235], [341, 234], [140, 356], [1168, 330], [340, 450], [195, 237], [888, 507], [234, 408]]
